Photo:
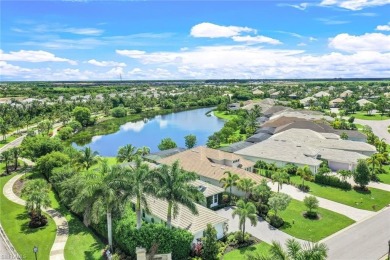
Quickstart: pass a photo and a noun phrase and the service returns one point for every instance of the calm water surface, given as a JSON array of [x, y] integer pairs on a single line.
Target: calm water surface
[[149, 133]]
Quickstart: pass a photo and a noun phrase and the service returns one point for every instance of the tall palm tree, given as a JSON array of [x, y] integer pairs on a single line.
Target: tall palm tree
[[229, 181], [138, 183], [127, 153], [15, 153], [175, 187], [245, 210], [98, 193], [294, 251], [88, 158], [144, 150], [36, 193], [6, 157], [280, 176], [246, 185], [305, 173]]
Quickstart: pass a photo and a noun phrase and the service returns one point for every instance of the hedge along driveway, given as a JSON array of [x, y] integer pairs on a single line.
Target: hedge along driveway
[[14, 219]]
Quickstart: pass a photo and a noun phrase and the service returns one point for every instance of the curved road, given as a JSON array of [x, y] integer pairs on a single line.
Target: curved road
[[379, 127]]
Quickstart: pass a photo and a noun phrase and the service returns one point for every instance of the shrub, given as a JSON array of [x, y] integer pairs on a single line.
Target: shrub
[[332, 181], [37, 221], [275, 221], [65, 133], [262, 209], [177, 241], [304, 188]]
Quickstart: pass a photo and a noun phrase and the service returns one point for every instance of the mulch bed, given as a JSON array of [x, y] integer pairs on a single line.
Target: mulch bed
[[251, 241]]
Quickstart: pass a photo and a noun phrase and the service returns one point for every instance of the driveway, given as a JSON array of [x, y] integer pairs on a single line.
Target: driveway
[[351, 212], [262, 231], [365, 240], [379, 127]]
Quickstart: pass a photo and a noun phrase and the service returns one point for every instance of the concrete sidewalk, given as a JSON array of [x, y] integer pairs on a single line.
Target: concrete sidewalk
[[262, 231], [57, 250], [351, 212]]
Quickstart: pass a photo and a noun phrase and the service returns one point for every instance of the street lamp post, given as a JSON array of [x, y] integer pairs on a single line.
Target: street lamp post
[[35, 252], [388, 254]]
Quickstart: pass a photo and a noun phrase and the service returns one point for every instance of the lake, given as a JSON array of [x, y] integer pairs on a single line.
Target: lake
[[150, 132]]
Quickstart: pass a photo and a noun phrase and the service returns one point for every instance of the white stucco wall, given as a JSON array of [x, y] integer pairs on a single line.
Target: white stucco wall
[[218, 227]]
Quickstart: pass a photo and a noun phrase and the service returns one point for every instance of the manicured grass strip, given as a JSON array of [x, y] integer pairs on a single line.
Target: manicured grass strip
[[14, 220], [312, 230], [353, 198], [385, 177], [261, 248], [224, 115], [8, 140], [364, 116]]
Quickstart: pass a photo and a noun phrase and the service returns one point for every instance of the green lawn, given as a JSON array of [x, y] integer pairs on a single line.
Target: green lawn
[[360, 200], [261, 248], [224, 115], [8, 140], [364, 116], [82, 243], [385, 178], [14, 219], [312, 230]]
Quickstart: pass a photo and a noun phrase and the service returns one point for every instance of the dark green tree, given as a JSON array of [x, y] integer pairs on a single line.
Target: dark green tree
[[166, 143], [210, 247], [190, 141], [361, 174]]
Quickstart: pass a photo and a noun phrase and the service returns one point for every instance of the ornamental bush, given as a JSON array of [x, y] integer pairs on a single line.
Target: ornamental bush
[[167, 240]]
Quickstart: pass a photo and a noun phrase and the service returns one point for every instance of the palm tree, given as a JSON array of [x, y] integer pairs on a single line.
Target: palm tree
[[88, 158], [305, 173], [295, 251], [98, 193], [126, 153], [229, 181], [246, 185], [15, 153], [245, 210], [6, 157], [175, 187], [138, 183], [36, 193], [280, 176], [374, 161], [144, 150]]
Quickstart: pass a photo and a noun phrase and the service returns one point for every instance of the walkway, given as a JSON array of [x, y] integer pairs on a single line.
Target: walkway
[[263, 231], [351, 212], [57, 250], [379, 127]]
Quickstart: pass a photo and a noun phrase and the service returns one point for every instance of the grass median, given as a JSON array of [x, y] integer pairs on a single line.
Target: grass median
[[373, 200], [314, 230]]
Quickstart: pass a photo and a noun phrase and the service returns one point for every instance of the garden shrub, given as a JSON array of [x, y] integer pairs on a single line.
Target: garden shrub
[[275, 220], [332, 181], [304, 188], [177, 241]]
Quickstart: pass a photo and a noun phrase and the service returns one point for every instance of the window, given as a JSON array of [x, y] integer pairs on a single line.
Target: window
[[143, 214], [215, 199]]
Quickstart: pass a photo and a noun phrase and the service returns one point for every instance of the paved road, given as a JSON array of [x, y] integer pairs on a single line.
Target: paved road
[[262, 231], [365, 240], [379, 127], [351, 212]]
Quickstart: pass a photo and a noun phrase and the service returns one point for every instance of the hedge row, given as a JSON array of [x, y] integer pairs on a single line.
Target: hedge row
[[332, 181]]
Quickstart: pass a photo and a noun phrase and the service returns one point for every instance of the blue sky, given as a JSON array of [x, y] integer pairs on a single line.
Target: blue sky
[[103, 40]]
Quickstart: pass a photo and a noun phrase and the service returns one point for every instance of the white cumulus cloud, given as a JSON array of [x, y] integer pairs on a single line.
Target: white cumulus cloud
[[33, 56], [135, 54], [255, 39], [106, 63], [210, 30], [368, 42], [354, 4], [385, 27]]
